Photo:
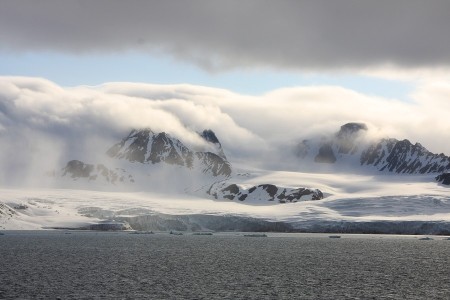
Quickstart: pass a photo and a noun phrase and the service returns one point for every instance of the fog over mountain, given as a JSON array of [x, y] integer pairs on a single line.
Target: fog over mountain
[[43, 125], [133, 149]]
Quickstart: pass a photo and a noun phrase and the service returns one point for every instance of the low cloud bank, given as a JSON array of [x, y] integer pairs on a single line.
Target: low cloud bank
[[42, 125]]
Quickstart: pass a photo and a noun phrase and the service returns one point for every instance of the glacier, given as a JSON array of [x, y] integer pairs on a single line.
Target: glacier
[[354, 203], [154, 181]]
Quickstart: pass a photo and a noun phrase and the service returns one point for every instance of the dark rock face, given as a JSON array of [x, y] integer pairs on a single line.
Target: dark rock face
[[145, 146], [169, 150], [444, 178], [296, 194], [136, 150], [232, 189], [210, 136], [375, 153], [326, 155], [214, 164], [350, 129], [264, 192], [270, 189]]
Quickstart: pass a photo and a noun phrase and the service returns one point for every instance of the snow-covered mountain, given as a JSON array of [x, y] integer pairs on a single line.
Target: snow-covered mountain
[[145, 146], [353, 147], [263, 192]]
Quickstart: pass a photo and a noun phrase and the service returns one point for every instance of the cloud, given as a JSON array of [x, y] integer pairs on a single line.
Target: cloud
[[43, 125], [306, 35]]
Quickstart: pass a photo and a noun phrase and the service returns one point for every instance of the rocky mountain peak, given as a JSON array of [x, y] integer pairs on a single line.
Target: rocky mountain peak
[[350, 129], [343, 142], [347, 135], [209, 136], [348, 146], [146, 146]]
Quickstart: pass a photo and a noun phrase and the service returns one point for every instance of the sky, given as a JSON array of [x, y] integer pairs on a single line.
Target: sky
[[253, 47], [75, 74]]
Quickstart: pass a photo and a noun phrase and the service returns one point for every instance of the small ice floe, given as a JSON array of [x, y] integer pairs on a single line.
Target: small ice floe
[[425, 239], [334, 236], [256, 235], [447, 239]]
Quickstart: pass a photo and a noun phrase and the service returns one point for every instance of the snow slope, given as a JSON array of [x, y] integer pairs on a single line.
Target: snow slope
[[354, 198]]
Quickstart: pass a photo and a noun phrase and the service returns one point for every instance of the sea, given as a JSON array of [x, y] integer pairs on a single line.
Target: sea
[[111, 265]]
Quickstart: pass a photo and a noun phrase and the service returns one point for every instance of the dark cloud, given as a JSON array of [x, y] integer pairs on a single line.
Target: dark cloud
[[225, 34]]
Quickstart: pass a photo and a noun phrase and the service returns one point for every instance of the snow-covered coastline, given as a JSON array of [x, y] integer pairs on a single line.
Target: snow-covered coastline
[[350, 199]]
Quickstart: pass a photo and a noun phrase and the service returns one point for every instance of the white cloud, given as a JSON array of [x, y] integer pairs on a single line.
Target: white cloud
[[42, 124]]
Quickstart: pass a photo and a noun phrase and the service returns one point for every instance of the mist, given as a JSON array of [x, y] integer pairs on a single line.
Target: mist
[[43, 125]]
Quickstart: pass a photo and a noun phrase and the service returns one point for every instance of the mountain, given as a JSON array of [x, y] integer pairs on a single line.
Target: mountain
[[146, 147], [152, 161], [263, 192], [352, 146]]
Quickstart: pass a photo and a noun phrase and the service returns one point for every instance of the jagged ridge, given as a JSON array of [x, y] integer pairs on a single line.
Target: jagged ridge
[[145, 146], [388, 154], [403, 157]]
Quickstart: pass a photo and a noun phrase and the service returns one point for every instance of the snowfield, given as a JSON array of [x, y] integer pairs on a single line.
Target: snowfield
[[349, 198]]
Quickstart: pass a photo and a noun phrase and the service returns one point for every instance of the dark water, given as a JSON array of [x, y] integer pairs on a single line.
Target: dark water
[[160, 266]]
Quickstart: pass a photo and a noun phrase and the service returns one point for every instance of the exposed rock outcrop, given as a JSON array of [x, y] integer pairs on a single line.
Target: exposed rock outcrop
[[263, 192]]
